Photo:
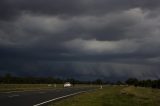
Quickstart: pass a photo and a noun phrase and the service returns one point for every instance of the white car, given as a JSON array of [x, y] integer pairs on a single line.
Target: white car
[[67, 84]]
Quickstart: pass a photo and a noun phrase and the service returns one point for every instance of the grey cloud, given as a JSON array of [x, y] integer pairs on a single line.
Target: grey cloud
[[84, 39], [11, 8], [83, 70], [113, 26]]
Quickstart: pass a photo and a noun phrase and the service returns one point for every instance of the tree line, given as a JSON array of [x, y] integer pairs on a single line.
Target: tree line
[[143, 83], [10, 79]]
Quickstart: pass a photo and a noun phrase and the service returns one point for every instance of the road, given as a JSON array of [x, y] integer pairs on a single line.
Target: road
[[37, 98]]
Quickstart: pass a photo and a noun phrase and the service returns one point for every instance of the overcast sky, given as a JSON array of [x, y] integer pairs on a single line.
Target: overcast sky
[[82, 39]]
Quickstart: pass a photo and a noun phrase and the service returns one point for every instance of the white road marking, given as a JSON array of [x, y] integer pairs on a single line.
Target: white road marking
[[13, 92], [59, 98], [29, 91], [11, 96]]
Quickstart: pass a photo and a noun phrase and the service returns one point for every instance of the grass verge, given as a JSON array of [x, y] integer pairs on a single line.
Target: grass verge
[[114, 96]]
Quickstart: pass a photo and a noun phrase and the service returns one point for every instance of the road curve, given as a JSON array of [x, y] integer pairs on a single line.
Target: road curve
[[37, 98]]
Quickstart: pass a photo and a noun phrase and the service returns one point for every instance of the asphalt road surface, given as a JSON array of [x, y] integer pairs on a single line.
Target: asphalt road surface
[[37, 98]]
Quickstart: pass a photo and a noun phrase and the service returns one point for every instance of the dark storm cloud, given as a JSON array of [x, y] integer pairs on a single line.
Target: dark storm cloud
[[5, 11], [86, 39], [11, 8]]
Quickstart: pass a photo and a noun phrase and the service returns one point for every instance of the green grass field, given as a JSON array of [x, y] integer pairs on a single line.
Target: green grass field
[[114, 96]]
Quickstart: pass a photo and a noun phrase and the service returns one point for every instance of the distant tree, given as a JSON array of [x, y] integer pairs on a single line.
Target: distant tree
[[107, 82], [72, 81], [132, 81], [119, 83], [98, 81], [8, 78], [144, 83]]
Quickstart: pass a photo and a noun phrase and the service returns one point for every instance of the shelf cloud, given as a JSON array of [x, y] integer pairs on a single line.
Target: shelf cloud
[[85, 39]]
